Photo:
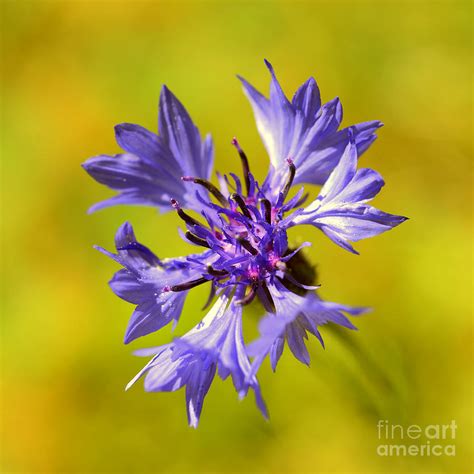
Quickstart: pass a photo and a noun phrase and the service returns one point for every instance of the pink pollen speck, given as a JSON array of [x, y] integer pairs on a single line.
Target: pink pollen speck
[[236, 144], [253, 274]]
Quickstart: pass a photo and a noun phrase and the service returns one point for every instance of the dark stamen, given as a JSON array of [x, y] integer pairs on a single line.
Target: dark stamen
[[248, 298], [247, 245], [267, 208], [188, 285], [245, 163], [196, 240], [209, 186], [291, 177], [186, 217], [302, 200], [214, 272], [241, 203]]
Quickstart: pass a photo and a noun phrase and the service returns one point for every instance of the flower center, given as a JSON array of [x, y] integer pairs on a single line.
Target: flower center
[[248, 246]]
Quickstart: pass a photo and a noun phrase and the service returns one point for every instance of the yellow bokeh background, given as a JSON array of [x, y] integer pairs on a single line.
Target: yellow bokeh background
[[72, 70]]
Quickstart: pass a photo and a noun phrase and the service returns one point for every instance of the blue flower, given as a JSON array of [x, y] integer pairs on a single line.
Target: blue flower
[[241, 228]]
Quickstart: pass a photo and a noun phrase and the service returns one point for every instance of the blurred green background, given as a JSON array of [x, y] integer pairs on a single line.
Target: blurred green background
[[72, 70]]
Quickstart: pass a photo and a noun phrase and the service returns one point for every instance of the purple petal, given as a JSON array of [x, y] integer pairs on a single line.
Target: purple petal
[[150, 172], [196, 389], [340, 210], [148, 146], [307, 98], [261, 110], [154, 313], [143, 280], [183, 138], [294, 316], [276, 351], [365, 185], [138, 181], [126, 286], [295, 335], [327, 154], [342, 174], [303, 130], [167, 374]]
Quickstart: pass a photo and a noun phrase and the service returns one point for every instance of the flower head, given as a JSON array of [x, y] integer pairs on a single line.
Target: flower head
[[240, 232]]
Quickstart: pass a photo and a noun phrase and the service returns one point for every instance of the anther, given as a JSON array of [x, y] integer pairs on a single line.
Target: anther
[[267, 210], [209, 186], [247, 246], [196, 240], [214, 272], [186, 217], [241, 203], [188, 285], [291, 177], [245, 163], [302, 200]]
